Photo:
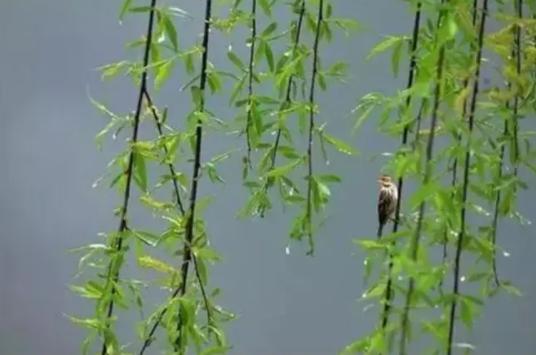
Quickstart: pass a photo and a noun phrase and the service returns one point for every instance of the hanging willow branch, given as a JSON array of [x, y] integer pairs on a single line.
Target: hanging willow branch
[[312, 104], [286, 103], [189, 230], [454, 180], [150, 336], [114, 265], [411, 75], [414, 247], [467, 165], [515, 109], [251, 65], [516, 54]]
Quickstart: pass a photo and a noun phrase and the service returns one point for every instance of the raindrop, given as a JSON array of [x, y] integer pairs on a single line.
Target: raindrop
[[462, 279], [230, 48], [96, 183], [327, 162], [287, 250], [400, 278], [364, 295], [506, 254]]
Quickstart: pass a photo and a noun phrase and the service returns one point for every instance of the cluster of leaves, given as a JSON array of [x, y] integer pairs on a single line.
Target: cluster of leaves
[[465, 168], [183, 239], [147, 167], [269, 122]]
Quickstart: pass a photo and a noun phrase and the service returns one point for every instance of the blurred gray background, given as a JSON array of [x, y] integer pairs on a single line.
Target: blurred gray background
[[286, 304]]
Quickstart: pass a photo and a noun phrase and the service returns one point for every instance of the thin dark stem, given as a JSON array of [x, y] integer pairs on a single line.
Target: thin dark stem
[[288, 94], [311, 127], [414, 247], [465, 189], [411, 75], [250, 75], [515, 111], [149, 338], [516, 53], [495, 221], [158, 124], [288, 98], [113, 275], [189, 230]]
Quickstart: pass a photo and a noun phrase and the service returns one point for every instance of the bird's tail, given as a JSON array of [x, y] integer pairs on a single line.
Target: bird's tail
[[380, 230]]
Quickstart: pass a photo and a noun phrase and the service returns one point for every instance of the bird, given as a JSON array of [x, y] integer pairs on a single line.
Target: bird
[[387, 200]]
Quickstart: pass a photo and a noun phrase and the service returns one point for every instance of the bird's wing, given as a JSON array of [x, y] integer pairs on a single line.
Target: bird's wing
[[383, 206]]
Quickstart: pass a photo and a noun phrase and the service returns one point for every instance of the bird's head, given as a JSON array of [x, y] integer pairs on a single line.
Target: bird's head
[[385, 181]]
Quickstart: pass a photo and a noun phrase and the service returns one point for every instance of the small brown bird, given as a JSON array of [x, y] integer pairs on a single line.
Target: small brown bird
[[387, 200]]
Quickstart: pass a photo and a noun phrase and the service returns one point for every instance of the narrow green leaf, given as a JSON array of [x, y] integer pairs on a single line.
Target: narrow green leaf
[[284, 170], [170, 30], [338, 144], [140, 171]]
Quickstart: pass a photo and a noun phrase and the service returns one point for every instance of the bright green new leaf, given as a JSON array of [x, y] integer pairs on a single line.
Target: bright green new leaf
[[338, 144], [284, 170]]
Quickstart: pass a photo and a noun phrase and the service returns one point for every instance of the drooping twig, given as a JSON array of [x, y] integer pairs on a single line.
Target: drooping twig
[[189, 229], [113, 275], [454, 179], [149, 338], [251, 65], [516, 54], [411, 75], [454, 167], [288, 100], [515, 109], [414, 247], [172, 172], [312, 103], [465, 188]]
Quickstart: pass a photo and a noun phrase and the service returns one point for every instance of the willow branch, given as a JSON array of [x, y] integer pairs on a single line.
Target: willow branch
[[411, 75], [414, 247], [113, 275], [467, 164], [454, 179], [516, 53], [515, 111], [189, 232], [172, 171], [150, 337], [309, 209], [288, 100], [250, 76]]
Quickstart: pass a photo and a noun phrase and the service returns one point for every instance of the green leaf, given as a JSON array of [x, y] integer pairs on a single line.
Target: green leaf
[[284, 170], [385, 44], [269, 56], [269, 29], [140, 171], [163, 72], [170, 30], [91, 323], [197, 96], [329, 178], [146, 237], [150, 262], [338, 144], [266, 7], [124, 8], [395, 57], [235, 60]]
